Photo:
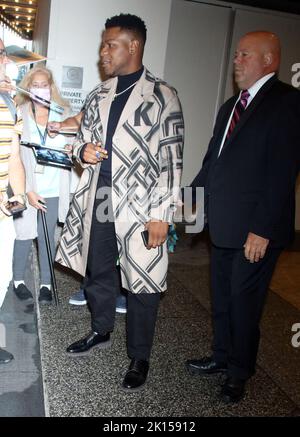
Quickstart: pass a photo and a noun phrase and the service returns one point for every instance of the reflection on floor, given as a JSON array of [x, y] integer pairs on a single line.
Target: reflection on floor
[[286, 278], [21, 388]]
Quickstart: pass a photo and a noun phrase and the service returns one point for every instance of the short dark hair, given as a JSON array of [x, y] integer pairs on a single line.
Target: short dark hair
[[128, 22]]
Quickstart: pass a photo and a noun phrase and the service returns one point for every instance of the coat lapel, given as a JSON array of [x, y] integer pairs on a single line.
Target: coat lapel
[[141, 92], [106, 97], [223, 123], [249, 111]]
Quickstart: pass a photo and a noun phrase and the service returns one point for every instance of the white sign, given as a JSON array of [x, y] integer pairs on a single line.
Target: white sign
[[75, 97], [72, 77]]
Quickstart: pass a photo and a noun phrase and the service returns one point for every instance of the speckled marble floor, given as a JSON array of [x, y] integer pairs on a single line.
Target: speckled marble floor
[[90, 386], [21, 388]]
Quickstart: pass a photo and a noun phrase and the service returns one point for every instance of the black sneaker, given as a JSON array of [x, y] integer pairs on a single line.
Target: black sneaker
[[22, 292], [45, 295]]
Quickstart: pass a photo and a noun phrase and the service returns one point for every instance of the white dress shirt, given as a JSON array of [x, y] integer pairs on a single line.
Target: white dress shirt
[[252, 91]]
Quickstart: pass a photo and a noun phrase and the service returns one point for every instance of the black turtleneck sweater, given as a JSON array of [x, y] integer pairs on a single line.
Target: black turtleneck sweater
[[116, 109]]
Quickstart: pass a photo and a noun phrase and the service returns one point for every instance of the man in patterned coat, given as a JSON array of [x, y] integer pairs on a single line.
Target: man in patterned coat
[[130, 145]]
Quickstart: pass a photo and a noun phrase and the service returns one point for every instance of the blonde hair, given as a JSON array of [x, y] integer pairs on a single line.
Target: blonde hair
[[29, 78]]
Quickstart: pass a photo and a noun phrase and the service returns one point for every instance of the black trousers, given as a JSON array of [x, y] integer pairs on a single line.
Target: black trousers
[[102, 285], [239, 290]]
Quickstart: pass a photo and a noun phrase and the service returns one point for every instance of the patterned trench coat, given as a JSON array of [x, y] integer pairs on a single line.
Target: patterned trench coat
[[147, 151]]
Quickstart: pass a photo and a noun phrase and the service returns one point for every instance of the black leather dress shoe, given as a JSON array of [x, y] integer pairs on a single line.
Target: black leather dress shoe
[[86, 344], [205, 366], [136, 375], [233, 390]]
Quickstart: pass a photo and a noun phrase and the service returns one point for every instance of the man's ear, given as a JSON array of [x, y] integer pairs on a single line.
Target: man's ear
[[268, 59], [134, 46]]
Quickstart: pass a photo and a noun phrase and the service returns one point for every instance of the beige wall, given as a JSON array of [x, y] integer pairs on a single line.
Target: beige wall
[[41, 31], [76, 26], [195, 67]]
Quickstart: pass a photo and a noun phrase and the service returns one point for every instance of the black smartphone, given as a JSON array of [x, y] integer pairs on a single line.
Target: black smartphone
[[145, 237], [15, 207]]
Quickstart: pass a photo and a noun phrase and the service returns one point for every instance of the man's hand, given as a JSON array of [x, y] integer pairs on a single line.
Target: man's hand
[[69, 125], [33, 199], [21, 198], [12, 205], [6, 85], [4, 211], [53, 128], [69, 149], [93, 153], [158, 232], [3, 201], [255, 247]]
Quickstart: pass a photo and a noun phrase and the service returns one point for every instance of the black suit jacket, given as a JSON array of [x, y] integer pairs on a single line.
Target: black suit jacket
[[251, 186]]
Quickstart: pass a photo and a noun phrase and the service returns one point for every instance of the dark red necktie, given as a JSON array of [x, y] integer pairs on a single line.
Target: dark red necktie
[[238, 110]]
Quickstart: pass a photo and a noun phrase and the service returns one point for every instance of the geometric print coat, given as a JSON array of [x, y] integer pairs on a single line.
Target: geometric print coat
[[147, 152]]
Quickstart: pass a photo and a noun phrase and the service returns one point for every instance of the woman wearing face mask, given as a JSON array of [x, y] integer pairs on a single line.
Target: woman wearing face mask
[[47, 187]]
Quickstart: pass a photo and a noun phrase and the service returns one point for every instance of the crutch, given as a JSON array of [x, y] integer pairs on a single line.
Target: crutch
[[53, 279]]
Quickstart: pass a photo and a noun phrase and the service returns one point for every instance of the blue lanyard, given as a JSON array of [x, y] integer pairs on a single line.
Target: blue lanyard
[[43, 137]]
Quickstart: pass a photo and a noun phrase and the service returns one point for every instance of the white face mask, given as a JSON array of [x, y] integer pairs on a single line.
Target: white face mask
[[44, 93]]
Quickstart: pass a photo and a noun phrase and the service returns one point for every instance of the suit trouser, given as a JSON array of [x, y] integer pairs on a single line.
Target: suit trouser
[[102, 284], [239, 290]]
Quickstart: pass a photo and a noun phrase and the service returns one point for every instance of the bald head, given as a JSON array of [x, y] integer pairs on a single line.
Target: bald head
[[268, 44], [257, 54]]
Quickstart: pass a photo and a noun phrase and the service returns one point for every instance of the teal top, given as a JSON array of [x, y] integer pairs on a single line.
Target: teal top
[[47, 177]]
